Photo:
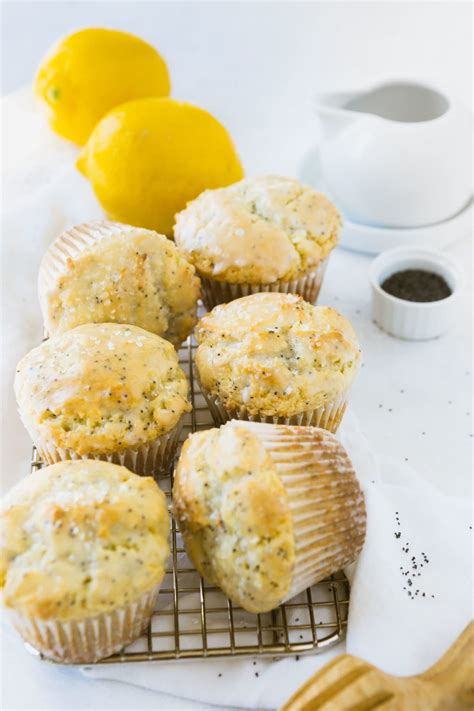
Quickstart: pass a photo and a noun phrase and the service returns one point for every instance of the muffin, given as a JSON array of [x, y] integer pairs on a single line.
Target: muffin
[[105, 272], [260, 234], [266, 511], [83, 552], [276, 358], [104, 391]]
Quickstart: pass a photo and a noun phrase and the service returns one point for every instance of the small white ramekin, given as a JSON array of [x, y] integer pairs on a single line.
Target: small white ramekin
[[413, 320]]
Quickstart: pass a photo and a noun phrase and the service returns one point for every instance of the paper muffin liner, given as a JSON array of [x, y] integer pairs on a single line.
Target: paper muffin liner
[[71, 244], [152, 459], [326, 500], [221, 292], [328, 417], [88, 640]]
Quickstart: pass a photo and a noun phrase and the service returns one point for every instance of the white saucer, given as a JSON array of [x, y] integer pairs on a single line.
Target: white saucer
[[373, 240]]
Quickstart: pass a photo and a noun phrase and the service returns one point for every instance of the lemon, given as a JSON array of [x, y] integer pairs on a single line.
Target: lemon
[[89, 72], [147, 158]]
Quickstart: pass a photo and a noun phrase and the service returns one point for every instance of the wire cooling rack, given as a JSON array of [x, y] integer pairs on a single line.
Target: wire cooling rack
[[193, 619]]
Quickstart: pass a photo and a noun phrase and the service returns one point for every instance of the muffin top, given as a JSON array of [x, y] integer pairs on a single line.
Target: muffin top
[[108, 272], [258, 230], [234, 514], [275, 354], [80, 538], [101, 388]]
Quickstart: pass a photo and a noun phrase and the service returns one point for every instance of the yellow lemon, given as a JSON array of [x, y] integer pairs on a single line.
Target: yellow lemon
[[147, 158], [89, 72]]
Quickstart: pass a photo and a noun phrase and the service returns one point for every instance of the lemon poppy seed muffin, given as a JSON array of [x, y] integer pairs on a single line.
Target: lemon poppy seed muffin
[[276, 358], [109, 272], [253, 502], [84, 546], [106, 391], [261, 234]]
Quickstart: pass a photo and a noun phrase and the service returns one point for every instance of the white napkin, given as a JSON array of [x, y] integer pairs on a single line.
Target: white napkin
[[386, 626], [411, 594]]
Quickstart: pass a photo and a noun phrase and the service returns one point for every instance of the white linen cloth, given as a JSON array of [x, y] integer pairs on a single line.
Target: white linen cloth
[[43, 194]]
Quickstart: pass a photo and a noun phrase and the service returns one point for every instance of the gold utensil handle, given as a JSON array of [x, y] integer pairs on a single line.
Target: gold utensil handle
[[348, 683], [455, 670]]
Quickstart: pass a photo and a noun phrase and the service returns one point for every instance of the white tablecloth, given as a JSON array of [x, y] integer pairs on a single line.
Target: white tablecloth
[[411, 402]]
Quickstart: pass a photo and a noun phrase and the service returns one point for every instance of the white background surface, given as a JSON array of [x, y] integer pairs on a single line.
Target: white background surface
[[257, 67]]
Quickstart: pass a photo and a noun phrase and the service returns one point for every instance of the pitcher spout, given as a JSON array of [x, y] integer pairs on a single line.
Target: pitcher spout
[[332, 112]]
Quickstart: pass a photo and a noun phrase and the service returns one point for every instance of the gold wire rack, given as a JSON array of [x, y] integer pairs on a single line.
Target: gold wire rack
[[194, 620]]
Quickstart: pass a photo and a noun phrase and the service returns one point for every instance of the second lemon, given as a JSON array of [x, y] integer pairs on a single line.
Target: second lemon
[[146, 159]]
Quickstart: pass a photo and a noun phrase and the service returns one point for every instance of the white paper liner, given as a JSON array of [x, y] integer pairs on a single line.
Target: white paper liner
[[327, 417], [325, 498], [151, 459], [221, 292], [86, 641]]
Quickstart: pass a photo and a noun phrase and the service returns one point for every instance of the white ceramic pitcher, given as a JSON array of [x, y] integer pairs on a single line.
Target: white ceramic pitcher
[[396, 156]]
